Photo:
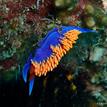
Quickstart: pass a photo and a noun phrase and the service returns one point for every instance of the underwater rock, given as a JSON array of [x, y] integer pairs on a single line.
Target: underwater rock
[[104, 20], [62, 3], [90, 22], [65, 17], [69, 77], [97, 54], [89, 9], [16, 43], [105, 5]]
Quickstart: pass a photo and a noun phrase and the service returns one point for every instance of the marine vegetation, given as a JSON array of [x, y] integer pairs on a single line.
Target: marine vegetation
[[31, 34]]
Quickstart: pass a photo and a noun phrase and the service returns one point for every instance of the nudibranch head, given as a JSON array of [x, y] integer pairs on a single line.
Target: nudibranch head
[[51, 49]]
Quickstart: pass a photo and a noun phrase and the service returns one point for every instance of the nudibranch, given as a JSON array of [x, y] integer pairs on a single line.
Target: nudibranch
[[51, 49]]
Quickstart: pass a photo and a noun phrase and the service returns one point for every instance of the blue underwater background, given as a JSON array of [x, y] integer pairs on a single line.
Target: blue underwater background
[[80, 79]]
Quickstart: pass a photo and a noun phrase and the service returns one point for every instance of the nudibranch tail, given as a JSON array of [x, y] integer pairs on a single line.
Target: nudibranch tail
[[25, 71], [31, 83], [52, 48]]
